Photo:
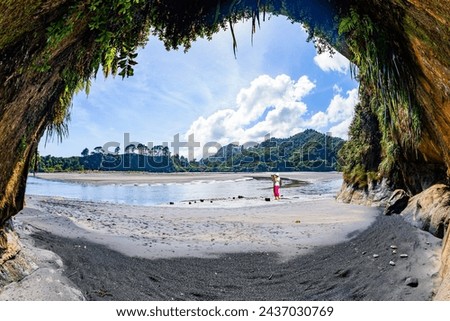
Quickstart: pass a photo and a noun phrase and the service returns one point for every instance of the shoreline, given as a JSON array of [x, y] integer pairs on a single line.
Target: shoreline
[[232, 249], [202, 229], [106, 178]]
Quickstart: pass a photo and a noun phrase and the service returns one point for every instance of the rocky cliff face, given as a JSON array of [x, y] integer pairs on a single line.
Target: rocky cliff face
[[421, 168]]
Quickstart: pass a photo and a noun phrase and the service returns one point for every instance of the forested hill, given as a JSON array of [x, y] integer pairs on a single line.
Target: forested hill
[[305, 151]]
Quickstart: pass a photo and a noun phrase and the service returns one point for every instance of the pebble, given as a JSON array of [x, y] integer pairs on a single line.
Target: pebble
[[375, 255], [412, 282], [392, 263], [403, 256], [364, 252], [394, 247], [394, 251]]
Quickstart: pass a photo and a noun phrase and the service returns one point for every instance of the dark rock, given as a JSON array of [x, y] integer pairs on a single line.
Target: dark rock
[[267, 199], [240, 196], [342, 273], [171, 203], [412, 282], [397, 202], [374, 195]]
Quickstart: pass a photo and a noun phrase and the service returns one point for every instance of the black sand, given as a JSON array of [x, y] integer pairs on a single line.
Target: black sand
[[346, 271]]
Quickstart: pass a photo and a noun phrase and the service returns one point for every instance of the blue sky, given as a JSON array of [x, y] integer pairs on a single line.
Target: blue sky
[[277, 86]]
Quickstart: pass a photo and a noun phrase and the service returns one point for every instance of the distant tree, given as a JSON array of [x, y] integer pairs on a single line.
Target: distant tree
[[130, 148], [142, 149], [166, 151], [99, 150], [85, 152]]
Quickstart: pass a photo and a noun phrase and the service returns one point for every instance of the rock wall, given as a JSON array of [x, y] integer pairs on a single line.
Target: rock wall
[[443, 292], [374, 194], [32, 274]]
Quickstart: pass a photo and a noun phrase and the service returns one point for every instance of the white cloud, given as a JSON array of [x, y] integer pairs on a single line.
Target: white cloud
[[268, 105], [337, 89], [338, 115], [341, 129], [273, 106], [336, 62]]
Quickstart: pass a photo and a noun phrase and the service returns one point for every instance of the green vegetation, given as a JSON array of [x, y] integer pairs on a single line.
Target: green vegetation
[[51, 49], [383, 68], [306, 151], [387, 122]]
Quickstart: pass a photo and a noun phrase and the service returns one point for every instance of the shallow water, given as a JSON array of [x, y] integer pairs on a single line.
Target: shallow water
[[156, 194]]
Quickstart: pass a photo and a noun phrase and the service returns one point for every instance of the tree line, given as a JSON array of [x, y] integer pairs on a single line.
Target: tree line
[[306, 151]]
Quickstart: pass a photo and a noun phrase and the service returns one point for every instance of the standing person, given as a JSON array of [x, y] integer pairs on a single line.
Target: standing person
[[276, 185]]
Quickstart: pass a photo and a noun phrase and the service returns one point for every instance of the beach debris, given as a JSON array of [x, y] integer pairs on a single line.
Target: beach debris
[[271, 276], [412, 282], [375, 256], [342, 273], [394, 247], [397, 202], [392, 263], [403, 256], [267, 199]]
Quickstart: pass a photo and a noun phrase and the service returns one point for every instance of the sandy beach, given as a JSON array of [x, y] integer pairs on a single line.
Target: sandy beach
[[236, 249]]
